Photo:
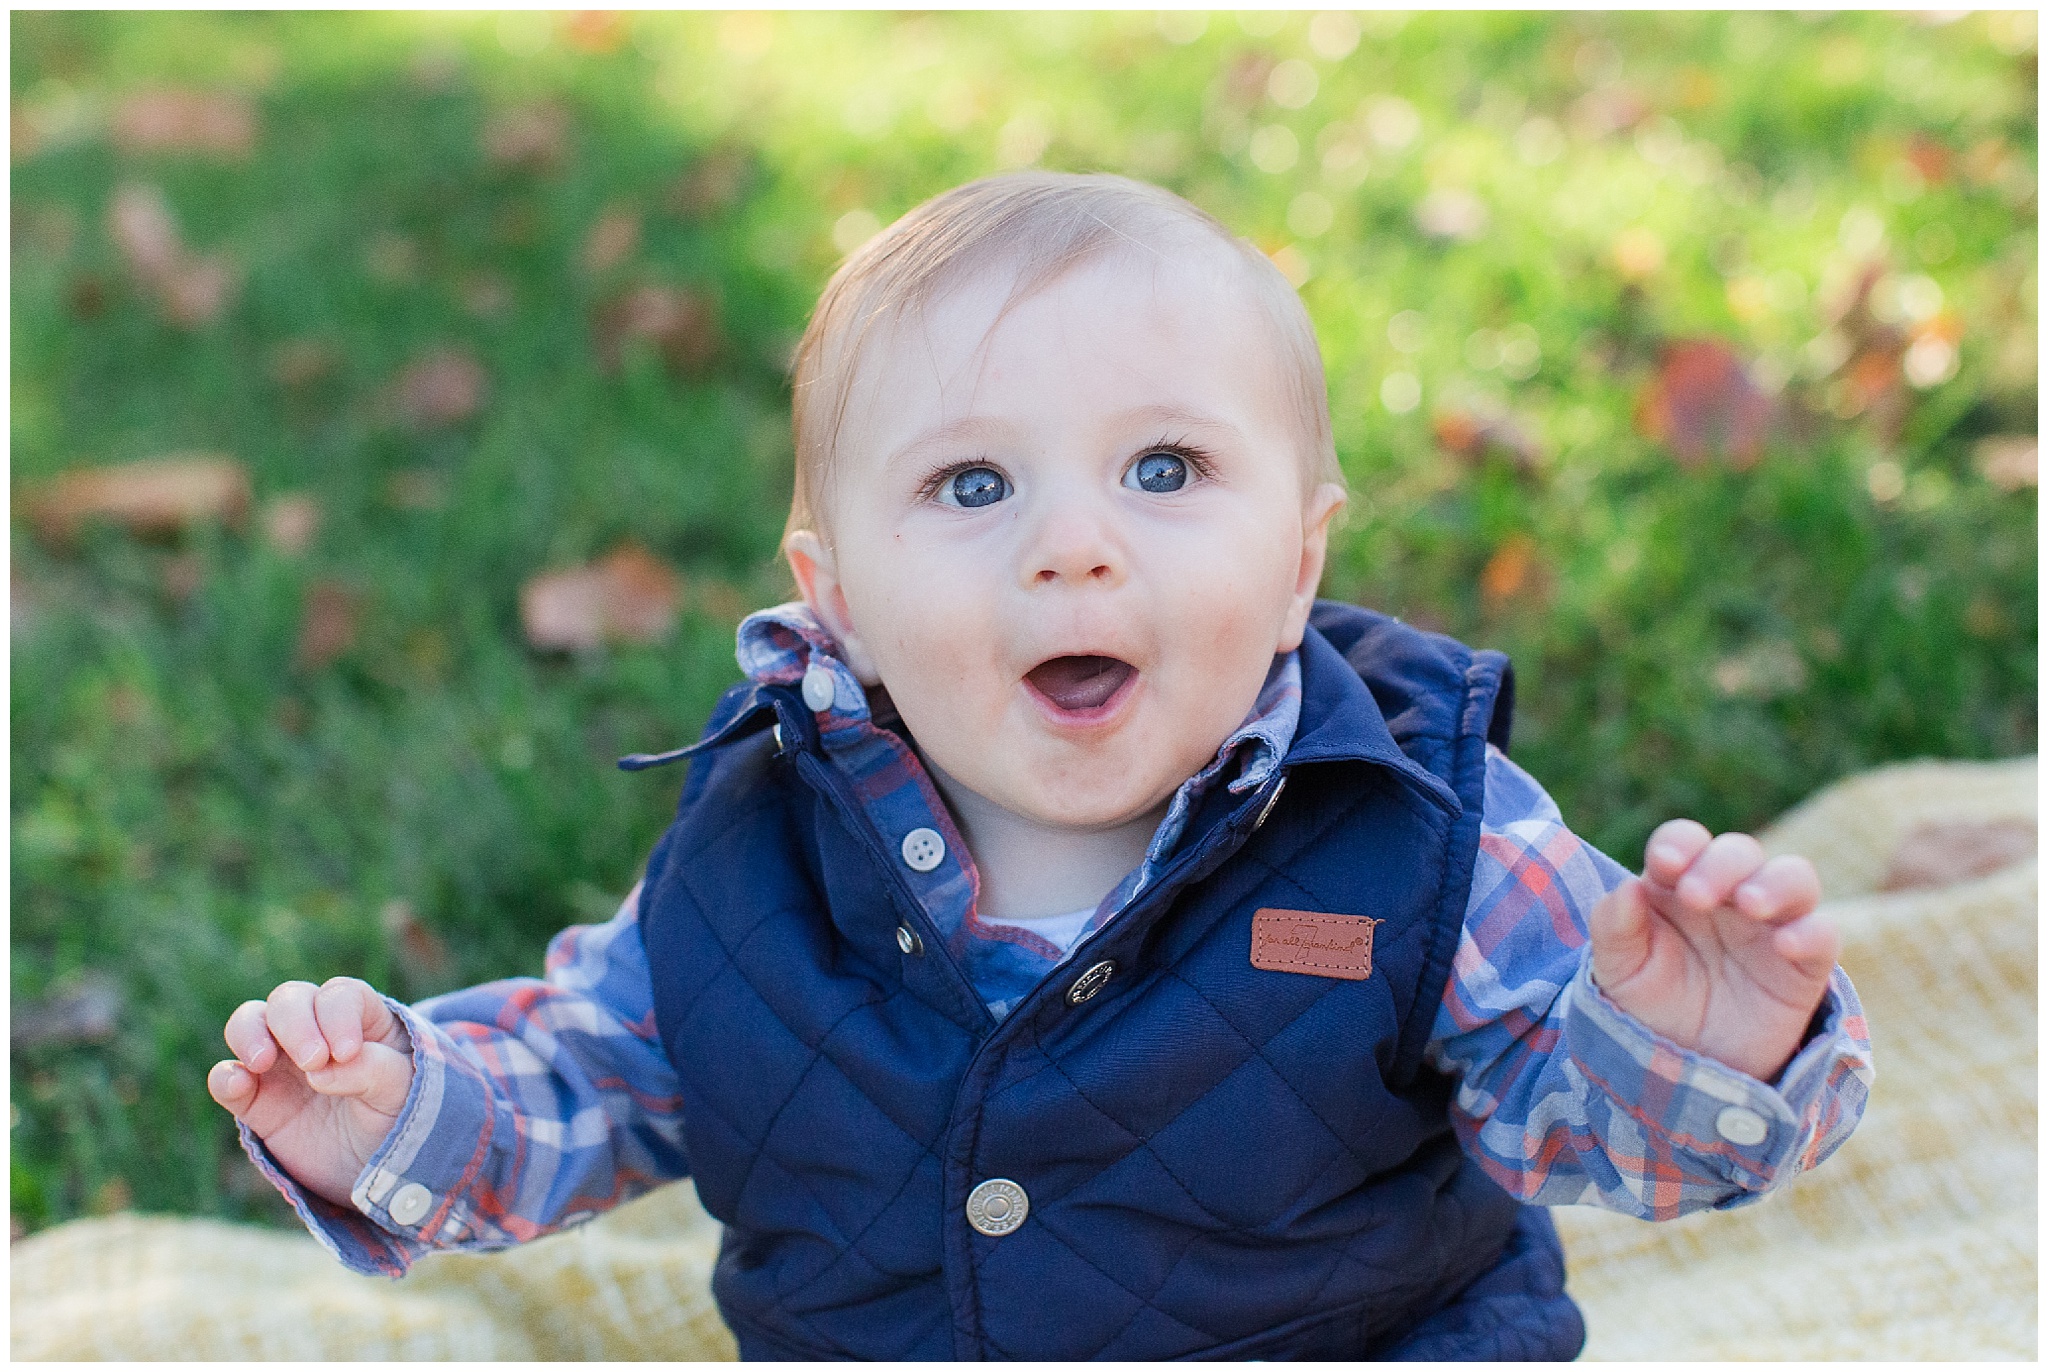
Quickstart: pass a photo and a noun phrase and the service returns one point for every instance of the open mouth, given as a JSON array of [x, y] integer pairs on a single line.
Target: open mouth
[[1081, 685]]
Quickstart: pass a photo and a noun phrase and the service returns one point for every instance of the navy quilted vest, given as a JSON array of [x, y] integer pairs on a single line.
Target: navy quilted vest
[[1220, 1161]]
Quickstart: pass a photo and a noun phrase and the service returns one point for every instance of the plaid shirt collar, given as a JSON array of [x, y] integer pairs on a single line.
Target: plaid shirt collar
[[786, 645], [783, 644]]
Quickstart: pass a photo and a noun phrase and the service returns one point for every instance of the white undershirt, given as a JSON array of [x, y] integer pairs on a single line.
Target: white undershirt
[[1059, 930]]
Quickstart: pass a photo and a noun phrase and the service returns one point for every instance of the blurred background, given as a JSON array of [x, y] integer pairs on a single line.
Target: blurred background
[[400, 428]]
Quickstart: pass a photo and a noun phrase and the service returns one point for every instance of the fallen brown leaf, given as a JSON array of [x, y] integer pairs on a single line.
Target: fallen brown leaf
[[485, 294], [420, 947], [443, 387], [327, 624], [1701, 403], [289, 523], [680, 324], [611, 240], [183, 574], [155, 498], [300, 362], [1942, 853], [191, 290], [535, 135], [87, 1010], [1471, 436], [171, 120], [711, 185], [139, 221], [628, 595]]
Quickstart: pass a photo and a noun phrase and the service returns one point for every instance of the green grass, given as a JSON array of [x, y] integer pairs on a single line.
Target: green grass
[[197, 818]]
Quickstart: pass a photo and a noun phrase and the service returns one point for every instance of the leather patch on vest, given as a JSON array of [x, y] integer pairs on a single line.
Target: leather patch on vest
[[1313, 944]]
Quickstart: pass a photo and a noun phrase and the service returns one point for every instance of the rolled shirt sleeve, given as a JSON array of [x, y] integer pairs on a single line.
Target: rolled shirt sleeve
[[535, 1104], [1563, 1097]]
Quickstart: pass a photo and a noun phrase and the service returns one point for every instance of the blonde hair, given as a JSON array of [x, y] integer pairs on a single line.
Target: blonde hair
[[1041, 224]]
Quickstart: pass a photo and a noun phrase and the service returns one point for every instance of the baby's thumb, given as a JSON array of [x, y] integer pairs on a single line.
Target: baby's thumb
[[379, 1077], [232, 1086], [1620, 930]]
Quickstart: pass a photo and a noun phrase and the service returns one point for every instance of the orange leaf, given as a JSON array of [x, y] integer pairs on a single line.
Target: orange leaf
[[629, 596], [191, 290], [1509, 570], [155, 498]]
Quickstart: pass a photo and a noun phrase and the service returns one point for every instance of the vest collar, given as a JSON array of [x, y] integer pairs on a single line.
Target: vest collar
[[1341, 722]]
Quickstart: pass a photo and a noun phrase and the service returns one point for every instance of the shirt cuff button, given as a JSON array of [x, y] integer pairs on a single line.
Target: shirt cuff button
[[411, 1203], [1741, 1126]]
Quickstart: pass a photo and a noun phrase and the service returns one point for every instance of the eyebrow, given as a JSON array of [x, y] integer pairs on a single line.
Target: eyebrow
[[976, 430]]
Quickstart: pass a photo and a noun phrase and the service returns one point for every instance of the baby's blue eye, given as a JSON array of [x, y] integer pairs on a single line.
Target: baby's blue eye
[[979, 486], [1159, 473]]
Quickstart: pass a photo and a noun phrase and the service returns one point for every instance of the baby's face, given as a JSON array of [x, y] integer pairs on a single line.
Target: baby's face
[[1070, 540]]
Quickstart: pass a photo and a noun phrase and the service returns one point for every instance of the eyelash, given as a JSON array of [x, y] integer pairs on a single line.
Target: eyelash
[[1200, 464]]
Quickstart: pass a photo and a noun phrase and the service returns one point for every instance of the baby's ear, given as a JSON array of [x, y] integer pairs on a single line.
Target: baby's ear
[[1315, 546], [817, 578]]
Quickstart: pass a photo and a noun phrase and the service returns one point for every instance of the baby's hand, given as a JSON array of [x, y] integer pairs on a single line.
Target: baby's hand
[[320, 1074], [1716, 948]]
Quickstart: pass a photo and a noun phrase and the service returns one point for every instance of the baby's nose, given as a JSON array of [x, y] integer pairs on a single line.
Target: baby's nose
[[1075, 546]]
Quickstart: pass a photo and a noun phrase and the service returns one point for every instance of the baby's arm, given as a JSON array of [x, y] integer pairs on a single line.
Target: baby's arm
[[531, 1105], [1564, 1096]]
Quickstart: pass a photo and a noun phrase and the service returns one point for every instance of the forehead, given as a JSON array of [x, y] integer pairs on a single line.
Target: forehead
[[1173, 328]]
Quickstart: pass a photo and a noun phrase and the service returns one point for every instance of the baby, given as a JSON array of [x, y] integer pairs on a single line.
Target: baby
[[1074, 939]]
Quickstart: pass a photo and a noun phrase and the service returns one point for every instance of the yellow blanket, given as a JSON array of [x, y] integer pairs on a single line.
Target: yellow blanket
[[1917, 1240]]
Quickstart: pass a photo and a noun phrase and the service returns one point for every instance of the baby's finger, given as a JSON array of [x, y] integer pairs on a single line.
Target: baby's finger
[[1783, 889], [378, 1076], [248, 1036], [290, 1014], [1811, 943], [1672, 849], [1727, 862], [342, 1007], [232, 1086]]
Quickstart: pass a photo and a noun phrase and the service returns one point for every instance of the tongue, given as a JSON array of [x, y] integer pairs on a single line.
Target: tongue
[[1080, 683]]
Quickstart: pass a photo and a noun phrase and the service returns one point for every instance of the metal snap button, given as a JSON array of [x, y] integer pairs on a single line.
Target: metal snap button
[[1271, 801], [410, 1204], [1741, 1126], [1089, 982], [909, 942], [776, 734], [818, 687], [997, 1207], [923, 850]]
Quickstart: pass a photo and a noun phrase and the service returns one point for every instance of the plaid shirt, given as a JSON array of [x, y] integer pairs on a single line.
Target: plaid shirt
[[536, 1104]]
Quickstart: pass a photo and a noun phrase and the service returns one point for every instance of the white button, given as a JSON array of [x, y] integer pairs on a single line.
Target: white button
[[997, 1207], [1741, 1126], [923, 849], [818, 690], [411, 1203]]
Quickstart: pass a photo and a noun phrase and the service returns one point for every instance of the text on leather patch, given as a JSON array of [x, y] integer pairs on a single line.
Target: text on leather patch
[[1313, 944]]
